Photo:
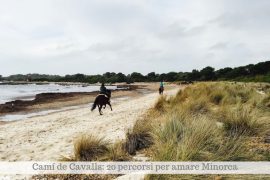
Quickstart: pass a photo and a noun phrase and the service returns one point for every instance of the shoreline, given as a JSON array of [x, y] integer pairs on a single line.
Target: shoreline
[[14, 117], [46, 101]]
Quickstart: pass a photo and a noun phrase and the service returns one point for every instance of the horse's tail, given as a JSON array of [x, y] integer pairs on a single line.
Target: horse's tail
[[94, 105]]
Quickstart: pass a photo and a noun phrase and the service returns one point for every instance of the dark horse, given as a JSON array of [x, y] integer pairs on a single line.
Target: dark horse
[[161, 89], [102, 100]]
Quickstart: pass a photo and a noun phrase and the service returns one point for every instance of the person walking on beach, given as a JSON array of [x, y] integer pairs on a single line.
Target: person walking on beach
[[161, 87]]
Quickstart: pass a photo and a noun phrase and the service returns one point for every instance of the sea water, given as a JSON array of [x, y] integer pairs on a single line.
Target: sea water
[[29, 91]]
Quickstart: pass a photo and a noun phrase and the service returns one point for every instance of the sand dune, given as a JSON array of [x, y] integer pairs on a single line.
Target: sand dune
[[50, 136]]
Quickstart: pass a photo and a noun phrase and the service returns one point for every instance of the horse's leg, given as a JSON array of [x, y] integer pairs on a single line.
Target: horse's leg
[[99, 108], [104, 106], [110, 105]]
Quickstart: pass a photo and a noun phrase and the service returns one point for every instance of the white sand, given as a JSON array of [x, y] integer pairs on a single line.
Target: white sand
[[50, 136]]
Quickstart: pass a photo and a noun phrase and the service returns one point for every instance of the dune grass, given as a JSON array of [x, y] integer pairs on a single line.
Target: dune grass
[[139, 138], [209, 122], [93, 148], [243, 120], [89, 148], [204, 122], [265, 103]]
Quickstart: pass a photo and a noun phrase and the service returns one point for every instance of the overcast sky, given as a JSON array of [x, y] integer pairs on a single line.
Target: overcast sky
[[98, 36]]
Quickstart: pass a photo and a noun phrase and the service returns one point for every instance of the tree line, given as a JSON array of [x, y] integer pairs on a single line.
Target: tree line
[[251, 72]]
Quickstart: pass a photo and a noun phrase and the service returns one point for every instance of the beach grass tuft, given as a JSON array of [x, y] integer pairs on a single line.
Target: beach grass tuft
[[139, 137], [89, 148]]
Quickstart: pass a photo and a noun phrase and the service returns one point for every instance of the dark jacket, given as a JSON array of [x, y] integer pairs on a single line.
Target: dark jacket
[[103, 90]]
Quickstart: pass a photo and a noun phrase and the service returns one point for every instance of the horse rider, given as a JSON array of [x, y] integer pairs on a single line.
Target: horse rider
[[103, 89], [161, 85]]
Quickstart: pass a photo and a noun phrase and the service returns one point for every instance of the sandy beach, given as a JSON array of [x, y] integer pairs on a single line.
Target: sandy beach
[[50, 136]]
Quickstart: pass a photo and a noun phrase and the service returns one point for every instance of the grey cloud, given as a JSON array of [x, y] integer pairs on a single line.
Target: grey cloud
[[244, 15], [219, 46], [176, 30], [142, 36]]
